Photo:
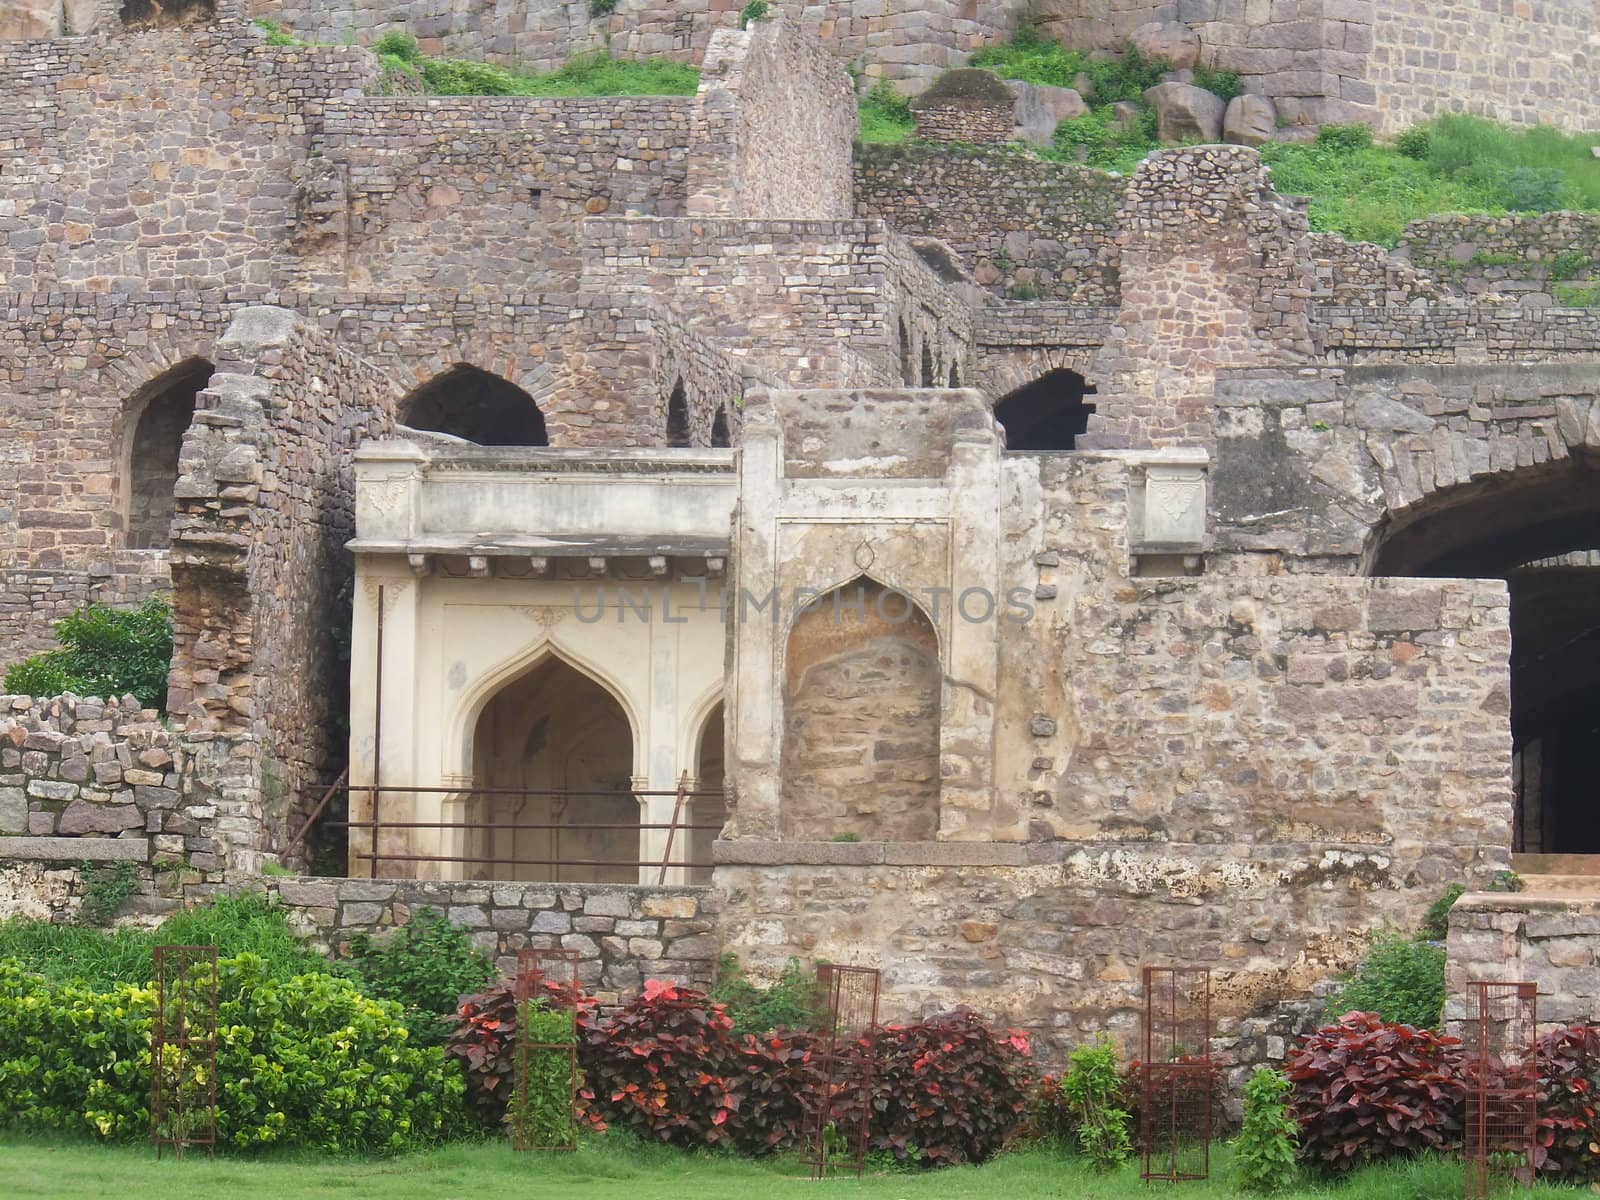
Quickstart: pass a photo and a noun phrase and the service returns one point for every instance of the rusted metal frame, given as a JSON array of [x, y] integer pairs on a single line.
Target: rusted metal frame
[[525, 862], [1501, 1033], [672, 830], [504, 825], [176, 1019], [333, 790], [850, 1004], [550, 975], [500, 791], [1176, 1072]]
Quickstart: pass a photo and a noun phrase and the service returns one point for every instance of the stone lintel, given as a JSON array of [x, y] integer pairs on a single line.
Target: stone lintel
[[76, 849], [757, 852]]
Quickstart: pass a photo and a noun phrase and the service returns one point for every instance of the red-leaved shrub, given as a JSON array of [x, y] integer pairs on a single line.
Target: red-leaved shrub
[[779, 1083], [1365, 1090], [1569, 1128], [667, 1067], [485, 1039], [951, 1087]]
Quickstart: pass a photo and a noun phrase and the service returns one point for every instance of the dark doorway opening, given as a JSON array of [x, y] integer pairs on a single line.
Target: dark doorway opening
[[1048, 414], [475, 406]]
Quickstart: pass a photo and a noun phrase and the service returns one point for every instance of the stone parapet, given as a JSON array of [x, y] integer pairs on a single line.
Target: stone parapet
[[1527, 937]]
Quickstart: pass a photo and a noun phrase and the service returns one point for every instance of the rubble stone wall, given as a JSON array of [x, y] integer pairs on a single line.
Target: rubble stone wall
[[265, 505], [1525, 256], [910, 40], [193, 133], [463, 193], [1548, 940], [1021, 225], [623, 935]]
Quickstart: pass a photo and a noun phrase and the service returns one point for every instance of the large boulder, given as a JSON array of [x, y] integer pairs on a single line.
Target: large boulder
[[1250, 121], [1175, 42], [1185, 113], [1040, 108], [28, 20]]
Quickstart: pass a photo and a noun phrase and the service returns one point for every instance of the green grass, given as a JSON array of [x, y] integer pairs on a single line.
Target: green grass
[[1466, 165], [614, 1168], [596, 74], [885, 115]]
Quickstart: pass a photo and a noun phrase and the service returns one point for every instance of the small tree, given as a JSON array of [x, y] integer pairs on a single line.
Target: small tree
[[1092, 1089], [1265, 1150], [105, 652]]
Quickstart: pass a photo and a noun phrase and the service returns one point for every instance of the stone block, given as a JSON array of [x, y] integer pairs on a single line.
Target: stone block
[[681, 908], [13, 810], [360, 914], [1250, 121], [75, 849], [303, 893], [551, 921], [1404, 609], [81, 817], [608, 904]]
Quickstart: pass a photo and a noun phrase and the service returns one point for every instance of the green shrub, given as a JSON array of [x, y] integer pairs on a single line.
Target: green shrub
[[105, 888], [1533, 189], [1225, 84], [1345, 137], [277, 35], [602, 8], [885, 115], [1401, 980], [1033, 59], [1092, 1088], [305, 1061], [1105, 141], [753, 11], [596, 74], [1264, 1153], [1568, 296], [1569, 264], [790, 1003], [1436, 921], [246, 923], [427, 966], [396, 44], [105, 652], [1416, 142], [541, 1110]]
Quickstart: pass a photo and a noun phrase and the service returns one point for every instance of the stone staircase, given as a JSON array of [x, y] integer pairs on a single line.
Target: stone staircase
[[1559, 875]]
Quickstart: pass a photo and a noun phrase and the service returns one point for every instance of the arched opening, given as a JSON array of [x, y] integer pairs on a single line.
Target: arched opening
[[167, 14], [862, 687], [553, 748], [720, 438], [907, 362], [475, 406], [1048, 414], [955, 378], [1537, 528], [930, 374], [678, 418], [710, 809], [154, 422]]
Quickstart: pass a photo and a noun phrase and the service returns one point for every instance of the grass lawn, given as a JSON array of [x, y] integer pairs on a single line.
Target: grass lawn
[[615, 1169]]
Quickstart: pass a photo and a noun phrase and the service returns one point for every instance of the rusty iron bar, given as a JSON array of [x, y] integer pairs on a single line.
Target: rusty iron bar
[[183, 1050], [848, 1017], [548, 977], [466, 790], [672, 830], [528, 862], [1177, 1077], [1501, 1036], [508, 825], [333, 789]]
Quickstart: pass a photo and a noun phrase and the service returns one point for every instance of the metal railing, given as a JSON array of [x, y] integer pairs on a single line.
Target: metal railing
[[474, 840]]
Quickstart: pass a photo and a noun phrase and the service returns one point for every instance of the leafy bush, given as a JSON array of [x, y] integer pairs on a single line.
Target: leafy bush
[[1033, 59], [1533, 189], [885, 115], [1436, 921], [99, 959], [666, 1067], [1569, 1104], [602, 8], [277, 35], [595, 74], [105, 888], [1092, 1087], [104, 652], [1569, 264], [1106, 140], [778, 1083], [1416, 142], [1049, 1119], [396, 44], [950, 1088], [1345, 137], [305, 1061], [1401, 980], [1264, 1152], [790, 1003], [755, 10], [1224, 84], [426, 965], [1364, 1091]]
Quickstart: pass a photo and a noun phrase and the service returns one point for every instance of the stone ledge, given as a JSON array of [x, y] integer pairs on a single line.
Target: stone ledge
[[74, 849], [1525, 902], [764, 853]]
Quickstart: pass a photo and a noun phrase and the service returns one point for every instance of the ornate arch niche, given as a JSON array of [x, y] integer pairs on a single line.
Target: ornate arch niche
[[473, 405], [862, 688], [153, 424], [553, 746]]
